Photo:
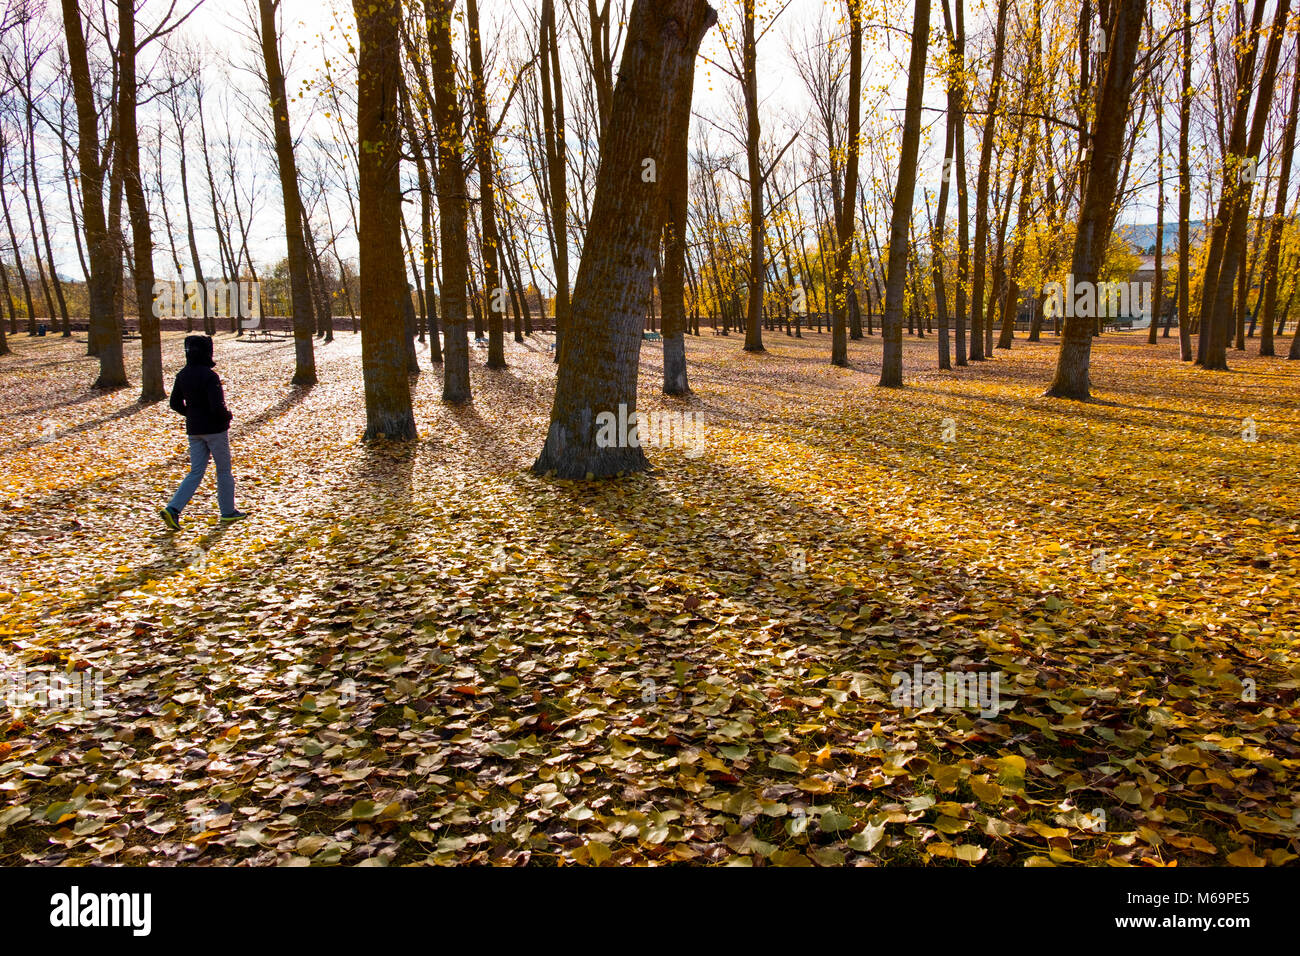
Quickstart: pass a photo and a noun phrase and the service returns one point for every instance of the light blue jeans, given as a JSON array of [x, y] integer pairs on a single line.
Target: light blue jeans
[[203, 447]]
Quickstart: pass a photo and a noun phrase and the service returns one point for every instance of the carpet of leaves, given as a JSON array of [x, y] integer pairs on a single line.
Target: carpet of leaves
[[424, 654]]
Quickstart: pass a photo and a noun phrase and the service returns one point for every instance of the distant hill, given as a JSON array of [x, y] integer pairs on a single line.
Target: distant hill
[[1142, 236]]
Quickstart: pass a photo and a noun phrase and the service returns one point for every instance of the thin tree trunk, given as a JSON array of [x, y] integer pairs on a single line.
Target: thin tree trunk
[[848, 207], [304, 312], [491, 245], [672, 286], [553, 124], [963, 193], [982, 189], [891, 325], [1273, 253], [1185, 191], [452, 204]]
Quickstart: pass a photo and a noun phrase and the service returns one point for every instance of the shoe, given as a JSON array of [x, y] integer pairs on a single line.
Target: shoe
[[233, 517], [171, 518]]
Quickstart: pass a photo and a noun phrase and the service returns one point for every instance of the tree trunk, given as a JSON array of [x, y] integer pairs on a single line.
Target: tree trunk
[[753, 144], [963, 192], [982, 177], [891, 326], [151, 371], [102, 328], [304, 312], [452, 205], [382, 279], [941, 213], [1157, 294], [1231, 272], [672, 281], [491, 246], [1212, 341], [553, 124], [1185, 191], [598, 368], [1273, 253], [1103, 162], [848, 205]]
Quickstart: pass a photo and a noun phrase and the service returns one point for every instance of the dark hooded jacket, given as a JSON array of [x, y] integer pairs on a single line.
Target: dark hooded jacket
[[197, 393]]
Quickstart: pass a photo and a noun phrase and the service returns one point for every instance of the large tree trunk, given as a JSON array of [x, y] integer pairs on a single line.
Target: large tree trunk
[[383, 277], [102, 328], [452, 205], [598, 369], [891, 326], [151, 371], [304, 312], [1105, 154], [848, 205]]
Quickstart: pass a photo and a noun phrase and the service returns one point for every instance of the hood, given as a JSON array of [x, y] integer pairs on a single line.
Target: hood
[[198, 350]]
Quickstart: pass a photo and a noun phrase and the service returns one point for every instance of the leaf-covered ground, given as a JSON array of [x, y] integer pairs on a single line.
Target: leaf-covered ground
[[426, 655]]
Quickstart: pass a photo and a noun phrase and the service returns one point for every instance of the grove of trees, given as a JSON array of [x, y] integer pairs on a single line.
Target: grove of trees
[[603, 168]]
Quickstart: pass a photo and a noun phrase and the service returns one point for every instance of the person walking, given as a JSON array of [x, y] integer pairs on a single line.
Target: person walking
[[197, 394]]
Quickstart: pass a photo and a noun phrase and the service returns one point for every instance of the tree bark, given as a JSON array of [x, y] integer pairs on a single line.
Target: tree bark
[[672, 281], [848, 205], [151, 371], [963, 192], [553, 125], [891, 325], [1185, 191], [1273, 253], [491, 246], [598, 368], [753, 143], [102, 328], [452, 205], [383, 277], [304, 312], [1104, 158]]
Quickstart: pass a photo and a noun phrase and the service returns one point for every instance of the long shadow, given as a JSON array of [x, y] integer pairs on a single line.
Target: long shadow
[[296, 394], [87, 396], [118, 415], [176, 558]]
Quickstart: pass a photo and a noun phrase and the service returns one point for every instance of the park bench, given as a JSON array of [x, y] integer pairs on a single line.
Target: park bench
[[652, 336]]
